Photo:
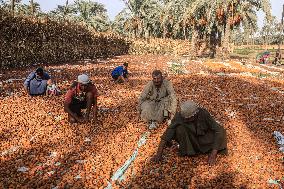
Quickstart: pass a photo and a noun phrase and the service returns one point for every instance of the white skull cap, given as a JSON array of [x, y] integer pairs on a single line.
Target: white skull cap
[[188, 109], [83, 79]]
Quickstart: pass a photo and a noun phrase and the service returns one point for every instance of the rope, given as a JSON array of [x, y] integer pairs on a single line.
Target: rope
[[119, 174]]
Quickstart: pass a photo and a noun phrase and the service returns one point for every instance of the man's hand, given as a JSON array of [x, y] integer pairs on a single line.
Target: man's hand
[[212, 157], [120, 79], [138, 115], [27, 90], [156, 158]]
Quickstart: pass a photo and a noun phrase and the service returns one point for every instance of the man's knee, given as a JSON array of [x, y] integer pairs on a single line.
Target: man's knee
[[180, 131], [66, 108], [144, 114], [147, 106], [89, 96]]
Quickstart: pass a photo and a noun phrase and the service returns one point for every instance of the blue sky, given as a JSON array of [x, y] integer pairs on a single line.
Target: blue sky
[[115, 6], [277, 7]]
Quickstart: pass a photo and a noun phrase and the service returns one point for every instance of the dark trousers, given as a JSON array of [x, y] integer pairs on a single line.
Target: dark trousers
[[76, 106], [115, 77]]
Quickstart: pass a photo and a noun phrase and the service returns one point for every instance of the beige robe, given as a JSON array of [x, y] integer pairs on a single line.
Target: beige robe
[[153, 101]]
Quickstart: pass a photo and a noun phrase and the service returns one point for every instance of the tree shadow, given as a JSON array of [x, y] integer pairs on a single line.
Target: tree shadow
[[224, 179], [72, 166], [243, 102], [184, 173]]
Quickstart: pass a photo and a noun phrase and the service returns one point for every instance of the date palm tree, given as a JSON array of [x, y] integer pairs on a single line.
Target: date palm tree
[[28, 9], [91, 13], [217, 18]]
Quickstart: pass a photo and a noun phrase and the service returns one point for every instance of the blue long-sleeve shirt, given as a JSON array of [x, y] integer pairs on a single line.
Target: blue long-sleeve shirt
[[119, 71], [35, 84]]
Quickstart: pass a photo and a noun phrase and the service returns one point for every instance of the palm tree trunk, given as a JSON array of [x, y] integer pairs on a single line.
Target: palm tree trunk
[[164, 31], [66, 8], [226, 41], [266, 41], [219, 39], [13, 7], [184, 30], [32, 7], [213, 42], [141, 28], [281, 29], [135, 32], [252, 38], [147, 31], [193, 42]]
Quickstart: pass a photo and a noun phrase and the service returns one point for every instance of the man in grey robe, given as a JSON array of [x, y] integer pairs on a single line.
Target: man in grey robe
[[196, 132]]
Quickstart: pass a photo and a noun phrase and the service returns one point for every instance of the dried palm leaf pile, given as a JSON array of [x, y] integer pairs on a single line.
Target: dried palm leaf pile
[[39, 149], [27, 40], [159, 46]]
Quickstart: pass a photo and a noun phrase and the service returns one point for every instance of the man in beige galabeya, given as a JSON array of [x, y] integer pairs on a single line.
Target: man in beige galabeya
[[158, 100]]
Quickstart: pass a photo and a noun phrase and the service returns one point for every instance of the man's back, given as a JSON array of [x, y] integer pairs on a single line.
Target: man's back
[[117, 71]]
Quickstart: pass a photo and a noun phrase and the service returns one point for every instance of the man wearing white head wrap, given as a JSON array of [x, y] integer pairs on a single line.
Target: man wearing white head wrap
[[81, 95], [196, 132], [188, 109]]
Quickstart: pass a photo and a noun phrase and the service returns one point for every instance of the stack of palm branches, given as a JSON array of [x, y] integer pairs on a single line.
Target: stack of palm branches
[[29, 40], [159, 46]]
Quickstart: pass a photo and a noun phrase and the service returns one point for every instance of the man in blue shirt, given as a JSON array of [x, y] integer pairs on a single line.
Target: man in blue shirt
[[36, 82], [120, 73]]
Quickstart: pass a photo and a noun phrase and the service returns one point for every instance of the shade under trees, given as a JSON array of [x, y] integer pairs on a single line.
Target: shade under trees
[[209, 25]]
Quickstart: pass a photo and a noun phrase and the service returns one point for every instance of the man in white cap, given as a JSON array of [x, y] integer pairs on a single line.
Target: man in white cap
[[81, 95], [158, 100], [196, 132]]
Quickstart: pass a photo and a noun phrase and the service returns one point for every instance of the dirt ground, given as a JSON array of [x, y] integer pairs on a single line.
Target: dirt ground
[[39, 149]]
